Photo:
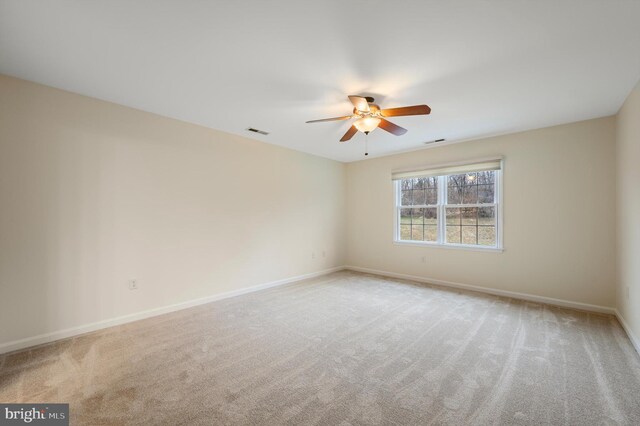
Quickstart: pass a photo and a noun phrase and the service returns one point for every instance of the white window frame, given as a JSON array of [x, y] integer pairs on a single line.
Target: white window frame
[[441, 207]]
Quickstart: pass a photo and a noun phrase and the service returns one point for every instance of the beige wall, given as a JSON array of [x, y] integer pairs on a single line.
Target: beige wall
[[628, 203], [93, 194], [559, 231]]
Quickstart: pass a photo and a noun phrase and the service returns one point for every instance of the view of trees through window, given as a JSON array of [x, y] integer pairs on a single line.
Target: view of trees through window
[[464, 205]]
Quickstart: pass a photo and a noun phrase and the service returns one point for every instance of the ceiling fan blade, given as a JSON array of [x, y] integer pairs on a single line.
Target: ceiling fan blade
[[352, 131], [409, 110], [360, 103], [392, 128], [346, 117]]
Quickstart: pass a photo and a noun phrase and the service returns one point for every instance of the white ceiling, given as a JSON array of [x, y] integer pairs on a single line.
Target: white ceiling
[[484, 67]]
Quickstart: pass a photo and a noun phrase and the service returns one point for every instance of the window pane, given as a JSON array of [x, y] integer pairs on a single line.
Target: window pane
[[419, 224], [485, 193], [471, 188], [419, 191], [453, 234], [470, 195], [454, 195], [405, 216], [455, 189], [487, 216], [453, 216], [487, 235], [417, 216], [405, 232], [431, 196], [453, 222], [469, 216], [431, 216], [418, 197], [456, 180], [471, 179], [485, 178], [406, 198], [431, 233], [417, 232], [469, 235]]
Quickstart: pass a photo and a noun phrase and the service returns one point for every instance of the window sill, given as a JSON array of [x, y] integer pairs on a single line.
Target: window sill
[[449, 246]]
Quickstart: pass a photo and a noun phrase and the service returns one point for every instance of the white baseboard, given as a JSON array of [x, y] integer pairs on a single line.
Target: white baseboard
[[74, 331], [496, 292], [634, 340]]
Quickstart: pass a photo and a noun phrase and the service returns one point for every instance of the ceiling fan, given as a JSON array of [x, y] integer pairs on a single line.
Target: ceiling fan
[[370, 116]]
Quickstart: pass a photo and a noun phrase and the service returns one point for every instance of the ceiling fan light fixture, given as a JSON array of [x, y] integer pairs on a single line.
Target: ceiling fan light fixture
[[367, 124]]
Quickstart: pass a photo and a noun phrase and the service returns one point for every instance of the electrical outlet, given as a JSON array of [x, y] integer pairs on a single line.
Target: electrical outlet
[[313, 254], [423, 259], [133, 284], [324, 253]]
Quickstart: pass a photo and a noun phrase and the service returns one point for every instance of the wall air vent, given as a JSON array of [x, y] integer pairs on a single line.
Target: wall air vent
[[262, 132]]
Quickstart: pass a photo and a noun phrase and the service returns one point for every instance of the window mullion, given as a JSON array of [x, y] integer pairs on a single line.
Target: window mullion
[[442, 199]]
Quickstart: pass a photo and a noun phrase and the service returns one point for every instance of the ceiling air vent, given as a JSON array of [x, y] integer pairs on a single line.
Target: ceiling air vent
[[262, 132]]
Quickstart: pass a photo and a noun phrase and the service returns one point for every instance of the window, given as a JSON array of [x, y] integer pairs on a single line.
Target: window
[[450, 206]]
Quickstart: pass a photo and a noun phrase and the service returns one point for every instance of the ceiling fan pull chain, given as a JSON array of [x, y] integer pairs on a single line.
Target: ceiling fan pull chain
[[366, 144]]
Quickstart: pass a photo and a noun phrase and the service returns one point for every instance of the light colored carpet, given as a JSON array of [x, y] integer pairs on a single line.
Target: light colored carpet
[[342, 349]]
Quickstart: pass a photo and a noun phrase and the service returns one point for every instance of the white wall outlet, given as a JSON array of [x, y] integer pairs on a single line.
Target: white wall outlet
[[313, 254], [423, 259], [324, 253], [133, 284]]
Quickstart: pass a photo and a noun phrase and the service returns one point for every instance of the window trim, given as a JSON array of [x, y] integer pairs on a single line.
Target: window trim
[[441, 206]]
